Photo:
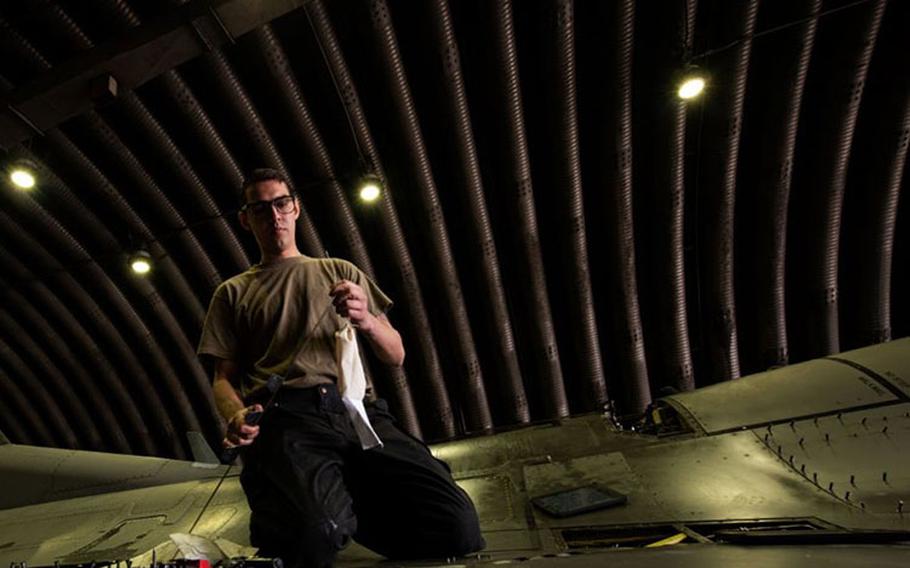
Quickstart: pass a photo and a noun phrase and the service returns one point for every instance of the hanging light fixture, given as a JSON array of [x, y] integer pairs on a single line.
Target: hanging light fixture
[[23, 174], [692, 83], [370, 188], [691, 88], [141, 262]]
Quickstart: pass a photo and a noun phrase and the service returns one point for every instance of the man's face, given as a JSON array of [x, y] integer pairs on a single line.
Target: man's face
[[274, 230]]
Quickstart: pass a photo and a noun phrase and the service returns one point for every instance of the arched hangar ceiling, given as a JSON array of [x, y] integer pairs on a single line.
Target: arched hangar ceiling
[[558, 229]]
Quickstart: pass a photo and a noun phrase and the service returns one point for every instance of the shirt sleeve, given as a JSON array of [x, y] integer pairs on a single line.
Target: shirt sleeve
[[218, 336]]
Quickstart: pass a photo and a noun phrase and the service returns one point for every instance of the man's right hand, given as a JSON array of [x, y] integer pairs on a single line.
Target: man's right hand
[[239, 433]]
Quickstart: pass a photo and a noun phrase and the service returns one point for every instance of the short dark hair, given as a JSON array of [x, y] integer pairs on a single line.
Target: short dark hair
[[263, 174]]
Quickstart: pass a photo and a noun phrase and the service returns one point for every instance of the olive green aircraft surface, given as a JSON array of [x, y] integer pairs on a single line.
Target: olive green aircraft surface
[[805, 465]]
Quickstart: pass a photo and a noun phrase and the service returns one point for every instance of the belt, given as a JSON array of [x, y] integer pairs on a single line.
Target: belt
[[321, 397]]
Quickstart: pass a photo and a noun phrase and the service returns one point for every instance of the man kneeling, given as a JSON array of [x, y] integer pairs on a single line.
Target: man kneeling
[[325, 466]]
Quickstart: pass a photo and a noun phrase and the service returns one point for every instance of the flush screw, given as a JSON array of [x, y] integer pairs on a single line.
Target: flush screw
[[853, 480], [827, 438], [802, 442], [847, 496]]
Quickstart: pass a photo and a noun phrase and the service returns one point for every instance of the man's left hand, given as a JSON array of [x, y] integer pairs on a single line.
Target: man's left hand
[[351, 302]]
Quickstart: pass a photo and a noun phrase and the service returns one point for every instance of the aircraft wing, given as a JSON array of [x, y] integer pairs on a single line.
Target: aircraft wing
[[759, 470]]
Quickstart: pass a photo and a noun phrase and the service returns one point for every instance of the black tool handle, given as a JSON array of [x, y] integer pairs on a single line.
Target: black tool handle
[[228, 455]]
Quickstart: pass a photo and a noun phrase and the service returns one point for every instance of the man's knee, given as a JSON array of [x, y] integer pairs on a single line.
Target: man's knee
[[464, 535], [455, 534]]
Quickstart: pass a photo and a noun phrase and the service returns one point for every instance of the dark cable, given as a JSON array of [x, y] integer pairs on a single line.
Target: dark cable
[[776, 29], [212, 496], [347, 114]]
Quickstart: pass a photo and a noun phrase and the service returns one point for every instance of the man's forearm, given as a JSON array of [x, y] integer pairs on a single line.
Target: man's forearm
[[352, 303], [231, 407], [385, 341], [226, 399]]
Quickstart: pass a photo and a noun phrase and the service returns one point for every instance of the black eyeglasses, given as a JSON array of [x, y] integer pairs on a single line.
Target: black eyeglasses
[[283, 204]]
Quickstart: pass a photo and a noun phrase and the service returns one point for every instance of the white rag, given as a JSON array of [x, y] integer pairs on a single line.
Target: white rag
[[352, 384]]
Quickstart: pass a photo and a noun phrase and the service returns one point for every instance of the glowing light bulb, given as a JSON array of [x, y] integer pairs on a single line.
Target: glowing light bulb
[[369, 192], [141, 266], [141, 263], [691, 87], [22, 178]]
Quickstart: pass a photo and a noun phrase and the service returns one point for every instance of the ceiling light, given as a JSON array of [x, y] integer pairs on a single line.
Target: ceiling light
[[370, 189], [22, 174], [691, 87], [141, 262]]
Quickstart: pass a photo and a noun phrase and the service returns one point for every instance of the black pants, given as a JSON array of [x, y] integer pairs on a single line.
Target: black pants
[[312, 488]]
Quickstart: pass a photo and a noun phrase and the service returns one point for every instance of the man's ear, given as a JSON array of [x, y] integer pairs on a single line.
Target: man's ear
[[244, 221]]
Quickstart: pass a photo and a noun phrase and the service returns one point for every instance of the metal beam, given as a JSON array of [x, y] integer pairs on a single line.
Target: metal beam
[[131, 60]]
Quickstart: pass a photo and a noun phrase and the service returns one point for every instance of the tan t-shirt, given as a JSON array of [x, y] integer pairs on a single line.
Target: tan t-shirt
[[260, 319]]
